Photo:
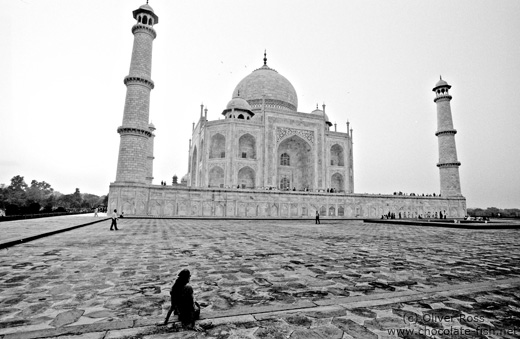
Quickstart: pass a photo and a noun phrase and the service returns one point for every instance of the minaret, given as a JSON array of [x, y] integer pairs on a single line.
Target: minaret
[[448, 163], [135, 132]]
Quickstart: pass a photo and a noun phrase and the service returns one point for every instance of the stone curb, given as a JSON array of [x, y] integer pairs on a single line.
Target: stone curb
[[47, 234], [468, 226], [250, 314]]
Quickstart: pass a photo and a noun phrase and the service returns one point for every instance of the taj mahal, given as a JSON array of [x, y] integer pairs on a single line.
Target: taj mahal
[[263, 142], [264, 158]]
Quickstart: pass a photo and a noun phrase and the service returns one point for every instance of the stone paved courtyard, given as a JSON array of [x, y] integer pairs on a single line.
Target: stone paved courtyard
[[273, 279]]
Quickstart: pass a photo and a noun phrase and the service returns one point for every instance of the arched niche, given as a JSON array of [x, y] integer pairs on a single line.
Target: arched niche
[[216, 177], [246, 177], [336, 156], [218, 146], [337, 182], [247, 147]]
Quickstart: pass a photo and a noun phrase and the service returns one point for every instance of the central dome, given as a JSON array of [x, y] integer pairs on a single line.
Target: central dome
[[266, 83]]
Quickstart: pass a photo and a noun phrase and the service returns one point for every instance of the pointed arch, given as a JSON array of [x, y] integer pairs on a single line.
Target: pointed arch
[[246, 177], [337, 182], [247, 146], [296, 162], [218, 146], [216, 177], [337, 157]]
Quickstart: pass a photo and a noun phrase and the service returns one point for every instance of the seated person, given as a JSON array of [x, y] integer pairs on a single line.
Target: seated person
[[182, 302]]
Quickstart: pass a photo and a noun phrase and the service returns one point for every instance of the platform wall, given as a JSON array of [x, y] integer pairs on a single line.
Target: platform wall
[[179, 201]]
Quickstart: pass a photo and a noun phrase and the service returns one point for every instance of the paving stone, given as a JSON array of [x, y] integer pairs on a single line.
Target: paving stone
[[326, 312], [91, 335], [353, 329], [363, 312], [298, 320], [66, 318], [99, 314], [384, 323], [130, 332], [325, 332]]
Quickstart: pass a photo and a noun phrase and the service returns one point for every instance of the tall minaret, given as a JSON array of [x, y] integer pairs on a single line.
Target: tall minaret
[[135, 132], [448, 163]]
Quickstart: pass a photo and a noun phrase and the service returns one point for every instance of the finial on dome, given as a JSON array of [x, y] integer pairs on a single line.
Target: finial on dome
[[440, 76], [265, 57], [147, 2]]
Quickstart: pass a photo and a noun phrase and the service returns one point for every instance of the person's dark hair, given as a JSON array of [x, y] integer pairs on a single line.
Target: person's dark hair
[[182, 279]]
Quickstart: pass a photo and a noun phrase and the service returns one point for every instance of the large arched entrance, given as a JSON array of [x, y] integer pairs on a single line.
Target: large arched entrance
[[295, 165]]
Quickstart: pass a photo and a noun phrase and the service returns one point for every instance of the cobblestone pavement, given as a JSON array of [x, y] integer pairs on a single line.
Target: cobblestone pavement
[[264, 279]]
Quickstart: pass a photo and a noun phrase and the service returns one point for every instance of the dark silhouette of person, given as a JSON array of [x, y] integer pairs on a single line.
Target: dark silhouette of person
[[182, 302], [318, 217]]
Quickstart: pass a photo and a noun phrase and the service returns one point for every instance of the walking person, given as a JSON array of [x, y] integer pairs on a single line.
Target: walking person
[[114, 220], [182, 302], [95, 212], [318, 217]]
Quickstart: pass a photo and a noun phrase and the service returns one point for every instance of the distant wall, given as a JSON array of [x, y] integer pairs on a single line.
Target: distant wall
[[175, 201]]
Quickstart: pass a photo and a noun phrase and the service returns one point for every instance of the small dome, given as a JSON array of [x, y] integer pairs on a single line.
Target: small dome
[[147, 7], [238, 103], [441, 83], [185, 178], [319, 112], [151, 127]]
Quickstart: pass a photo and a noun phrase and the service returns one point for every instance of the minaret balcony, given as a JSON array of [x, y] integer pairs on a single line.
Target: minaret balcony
[[449, 164], [135, 80], [140, 28], [134, 131], [442, 97], [448, 131]]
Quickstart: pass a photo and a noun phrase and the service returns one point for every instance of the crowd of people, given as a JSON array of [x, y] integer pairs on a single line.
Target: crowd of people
[[415, 215], [417, 195]]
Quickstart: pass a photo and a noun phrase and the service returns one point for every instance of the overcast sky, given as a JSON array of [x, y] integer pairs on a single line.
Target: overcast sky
[[373, 63]]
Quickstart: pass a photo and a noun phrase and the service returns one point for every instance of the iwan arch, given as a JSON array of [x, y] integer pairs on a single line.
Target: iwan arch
[[265, 158]]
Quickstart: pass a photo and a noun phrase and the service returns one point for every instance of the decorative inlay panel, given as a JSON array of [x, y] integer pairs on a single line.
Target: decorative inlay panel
[[282, 132]]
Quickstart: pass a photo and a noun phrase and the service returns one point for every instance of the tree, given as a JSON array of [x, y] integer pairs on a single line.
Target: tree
[[18, 183], [14, 196], [91, 200], [38, 192]]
